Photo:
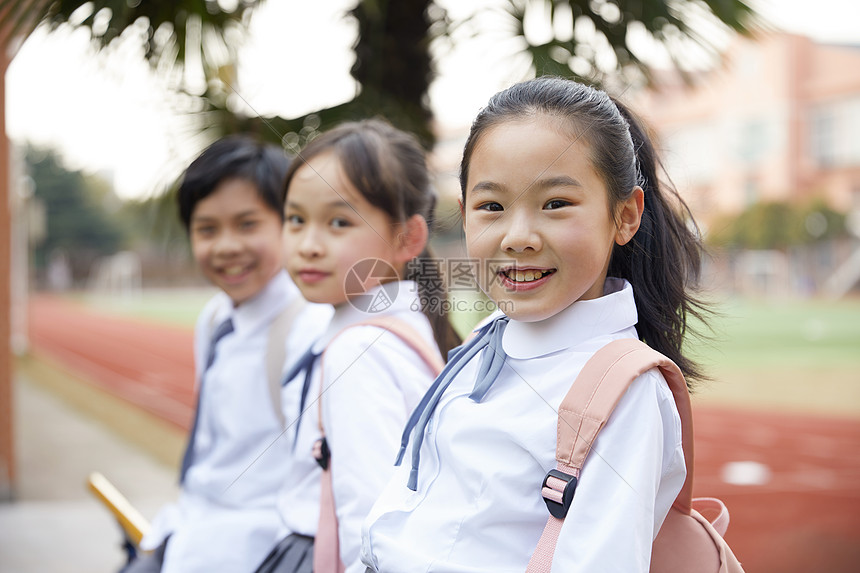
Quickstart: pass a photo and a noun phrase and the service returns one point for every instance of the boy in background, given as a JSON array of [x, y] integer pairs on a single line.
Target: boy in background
[[231, 203]]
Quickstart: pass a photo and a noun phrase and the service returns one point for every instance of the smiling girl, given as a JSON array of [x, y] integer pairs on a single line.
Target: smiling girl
[[560, 196], [358, 205]]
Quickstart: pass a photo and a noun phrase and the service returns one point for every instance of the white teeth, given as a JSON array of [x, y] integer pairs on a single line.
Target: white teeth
[[233, 271], [524, 276]]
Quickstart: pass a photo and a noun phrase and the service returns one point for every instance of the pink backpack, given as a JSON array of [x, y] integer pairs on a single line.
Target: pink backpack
[[687, 541], [326, 544]]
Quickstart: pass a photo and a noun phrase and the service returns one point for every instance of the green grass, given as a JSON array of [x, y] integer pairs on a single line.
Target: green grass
[[789, 355], [178, 307], [783, 334]]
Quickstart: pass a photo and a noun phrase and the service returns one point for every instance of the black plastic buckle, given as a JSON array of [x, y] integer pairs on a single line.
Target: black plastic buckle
[[321, 453], [556, 509]]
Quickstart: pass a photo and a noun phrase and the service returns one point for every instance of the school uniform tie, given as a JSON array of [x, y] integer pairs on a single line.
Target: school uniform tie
[[221, 331], [488, 339], [304, 364]]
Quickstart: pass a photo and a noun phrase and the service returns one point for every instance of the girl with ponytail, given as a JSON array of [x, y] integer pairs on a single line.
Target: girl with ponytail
[[358, 209], [560, 195]]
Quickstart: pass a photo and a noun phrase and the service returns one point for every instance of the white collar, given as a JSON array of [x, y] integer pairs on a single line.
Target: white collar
[[581, 321], [278, 292], [403, 297]]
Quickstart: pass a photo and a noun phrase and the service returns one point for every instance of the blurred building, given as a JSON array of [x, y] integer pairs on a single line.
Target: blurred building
[[778, 121]]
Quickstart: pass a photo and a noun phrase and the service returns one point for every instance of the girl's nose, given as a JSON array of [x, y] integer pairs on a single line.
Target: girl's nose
[[310, 245], [520, 232]]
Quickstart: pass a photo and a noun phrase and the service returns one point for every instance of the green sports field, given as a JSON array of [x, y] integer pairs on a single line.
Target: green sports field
[[799, 355], [794, 355]]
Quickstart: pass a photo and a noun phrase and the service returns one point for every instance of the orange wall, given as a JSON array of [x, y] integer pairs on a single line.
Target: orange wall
[[7, 452]]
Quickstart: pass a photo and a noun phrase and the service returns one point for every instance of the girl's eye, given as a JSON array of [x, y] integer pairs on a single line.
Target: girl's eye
[[490, 206], [294, 220], [248, 225], [556, 204], [340, 223]]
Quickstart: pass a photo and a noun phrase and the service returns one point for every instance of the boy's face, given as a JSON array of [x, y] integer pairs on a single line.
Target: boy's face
[[236, 239]]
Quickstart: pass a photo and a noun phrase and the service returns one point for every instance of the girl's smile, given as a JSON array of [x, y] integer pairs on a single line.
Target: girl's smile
[[524, 278]]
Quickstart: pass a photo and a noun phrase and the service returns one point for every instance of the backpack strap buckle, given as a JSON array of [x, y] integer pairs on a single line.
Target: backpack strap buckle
[[557, 491], [321, 453]]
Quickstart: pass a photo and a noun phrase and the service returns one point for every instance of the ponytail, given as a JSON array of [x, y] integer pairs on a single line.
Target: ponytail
[[433, 297], [663, 260]]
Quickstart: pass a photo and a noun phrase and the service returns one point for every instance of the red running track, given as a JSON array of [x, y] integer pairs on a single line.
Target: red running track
[[799, 513], [150, 365]]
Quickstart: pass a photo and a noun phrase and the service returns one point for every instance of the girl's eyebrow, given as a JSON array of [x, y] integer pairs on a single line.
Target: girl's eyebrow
[[557, 181], [486, 186], [333, 204], [545, 183]]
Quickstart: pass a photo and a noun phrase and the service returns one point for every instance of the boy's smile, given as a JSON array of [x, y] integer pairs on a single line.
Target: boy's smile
[[236, 239]]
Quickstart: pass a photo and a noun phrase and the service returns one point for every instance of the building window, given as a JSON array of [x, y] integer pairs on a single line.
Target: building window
[[823, 138], [753, 142]]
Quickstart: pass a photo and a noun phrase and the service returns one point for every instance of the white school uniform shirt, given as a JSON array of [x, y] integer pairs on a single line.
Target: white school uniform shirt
[[478, 505], [372, 382], [226, 518]]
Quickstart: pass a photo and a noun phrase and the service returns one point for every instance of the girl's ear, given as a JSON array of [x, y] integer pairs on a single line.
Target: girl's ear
[[412, 239], [629, 216]]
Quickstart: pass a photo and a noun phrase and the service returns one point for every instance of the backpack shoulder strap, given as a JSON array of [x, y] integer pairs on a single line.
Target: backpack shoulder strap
[[326, 557], [600, 386], [584, 411], [276, 351], [428, 354]]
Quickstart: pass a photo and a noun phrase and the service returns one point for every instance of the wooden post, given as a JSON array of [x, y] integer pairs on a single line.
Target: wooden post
[[7, 442]]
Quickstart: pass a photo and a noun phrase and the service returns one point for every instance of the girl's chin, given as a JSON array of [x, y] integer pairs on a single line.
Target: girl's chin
[[318, 296]]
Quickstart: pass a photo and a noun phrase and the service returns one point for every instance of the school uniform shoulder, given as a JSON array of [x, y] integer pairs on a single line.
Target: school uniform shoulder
[[350, 337], [217, 307]]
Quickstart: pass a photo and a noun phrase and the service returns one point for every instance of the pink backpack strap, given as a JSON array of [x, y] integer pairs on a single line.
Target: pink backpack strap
[[584, 411], [326, 543]]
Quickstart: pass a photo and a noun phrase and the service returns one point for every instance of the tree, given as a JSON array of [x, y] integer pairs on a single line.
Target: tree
[[579, 28], [777, 225], [169, 26], [393, 58], [79, 213]]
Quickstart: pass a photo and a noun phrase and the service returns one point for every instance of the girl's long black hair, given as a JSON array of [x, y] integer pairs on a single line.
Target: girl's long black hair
[[663, 259]]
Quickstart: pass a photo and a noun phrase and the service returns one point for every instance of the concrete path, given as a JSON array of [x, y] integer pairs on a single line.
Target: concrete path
[[55, 525]]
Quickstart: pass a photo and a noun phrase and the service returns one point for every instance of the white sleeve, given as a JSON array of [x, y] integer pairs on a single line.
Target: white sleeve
[[364, 411], [627, 485]]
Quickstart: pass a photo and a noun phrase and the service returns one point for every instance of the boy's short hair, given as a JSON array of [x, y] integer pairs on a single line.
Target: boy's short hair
[[234, 157]]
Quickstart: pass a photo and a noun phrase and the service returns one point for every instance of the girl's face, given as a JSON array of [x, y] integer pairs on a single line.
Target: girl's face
[[329, 228], [537, 214]]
